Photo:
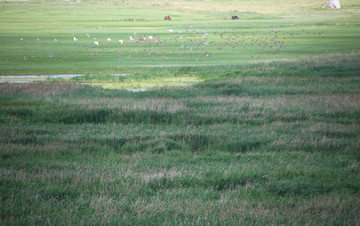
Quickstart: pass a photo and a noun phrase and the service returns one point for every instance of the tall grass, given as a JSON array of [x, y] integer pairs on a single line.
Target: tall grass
[[235, 149]]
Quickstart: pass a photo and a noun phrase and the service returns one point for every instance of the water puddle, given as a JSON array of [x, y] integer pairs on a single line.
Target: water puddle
[[39, 78], [133, 86], [34, 78], [137, 90]]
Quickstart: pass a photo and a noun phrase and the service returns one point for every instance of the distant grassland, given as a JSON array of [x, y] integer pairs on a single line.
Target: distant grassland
[[248, 135], [39, 38]]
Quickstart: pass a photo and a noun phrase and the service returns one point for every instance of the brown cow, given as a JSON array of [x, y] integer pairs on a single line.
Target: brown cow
[[167, 18]]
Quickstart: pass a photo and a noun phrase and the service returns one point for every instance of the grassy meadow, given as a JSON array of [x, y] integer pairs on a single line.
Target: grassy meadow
[[197, 120]]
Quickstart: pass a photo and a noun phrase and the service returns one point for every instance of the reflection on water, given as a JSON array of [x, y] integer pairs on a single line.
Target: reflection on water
[[133, 86], [137, 90], [34, 78], [40, 76], [37, 78]]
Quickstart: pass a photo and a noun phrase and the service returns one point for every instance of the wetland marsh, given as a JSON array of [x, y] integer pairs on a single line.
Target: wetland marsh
[[253, 121]]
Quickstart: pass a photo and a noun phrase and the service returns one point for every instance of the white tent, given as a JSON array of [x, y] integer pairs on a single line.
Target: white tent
[[335, 4]]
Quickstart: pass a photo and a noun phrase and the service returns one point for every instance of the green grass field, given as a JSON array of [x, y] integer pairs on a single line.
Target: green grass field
[[240, 122]]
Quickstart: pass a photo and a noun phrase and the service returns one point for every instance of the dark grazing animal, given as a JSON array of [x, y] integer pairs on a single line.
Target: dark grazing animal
[[167, 18], [234, 17]]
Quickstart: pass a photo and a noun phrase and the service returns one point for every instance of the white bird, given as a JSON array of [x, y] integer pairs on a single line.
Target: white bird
[[121, 41], [171, 30], [109, 40], [21, 39], [131, 38], [151, 37], [88, 35], [134, 19], [96, 43], [55, 40], [75, 39]]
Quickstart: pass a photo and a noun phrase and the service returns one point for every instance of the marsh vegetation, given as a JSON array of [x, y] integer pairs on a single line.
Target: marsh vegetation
[[235, 139]]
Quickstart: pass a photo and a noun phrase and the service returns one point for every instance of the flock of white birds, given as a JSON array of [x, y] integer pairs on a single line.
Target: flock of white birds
[[189, 43], [96, 43]]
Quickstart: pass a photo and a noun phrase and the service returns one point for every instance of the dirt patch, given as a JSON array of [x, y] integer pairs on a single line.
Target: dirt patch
[[142, 40]]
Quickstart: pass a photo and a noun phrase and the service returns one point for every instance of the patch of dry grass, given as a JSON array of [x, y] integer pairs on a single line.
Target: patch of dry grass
[[37, 90]]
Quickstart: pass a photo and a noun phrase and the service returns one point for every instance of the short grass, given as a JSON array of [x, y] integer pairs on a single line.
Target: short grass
[[259, 138], [39, 38]]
